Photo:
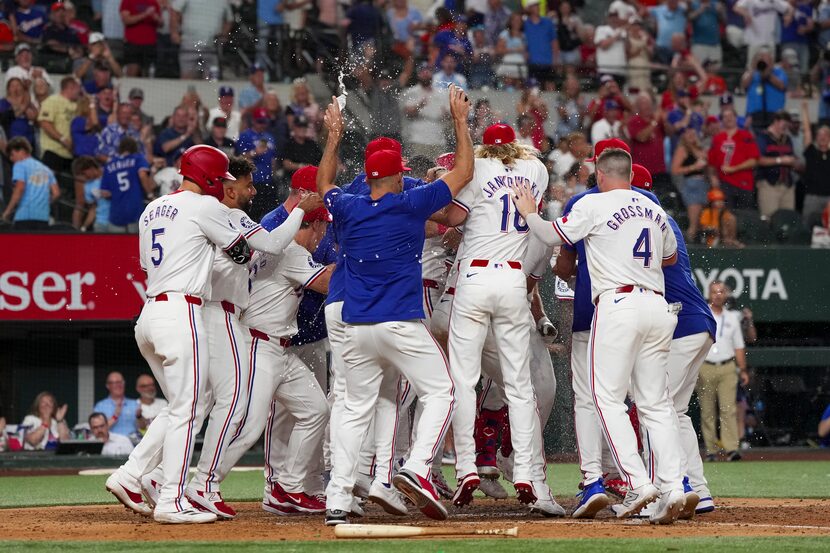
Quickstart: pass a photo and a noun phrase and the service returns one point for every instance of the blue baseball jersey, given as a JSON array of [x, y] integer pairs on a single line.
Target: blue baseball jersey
[[358, 187], [311, 320], [264, 162], [31, 22], [38, 178], [121, 178], [102, 205], [382, 241]]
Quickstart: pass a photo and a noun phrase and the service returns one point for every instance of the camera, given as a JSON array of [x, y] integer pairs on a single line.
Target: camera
[[762, 66]]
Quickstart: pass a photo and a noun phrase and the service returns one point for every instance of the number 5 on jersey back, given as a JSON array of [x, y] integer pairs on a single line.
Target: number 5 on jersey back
[[156, 233], [642, 247]]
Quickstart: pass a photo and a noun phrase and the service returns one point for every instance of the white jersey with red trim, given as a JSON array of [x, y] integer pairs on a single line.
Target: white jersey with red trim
[[627, 237], [433, 260], [494, 230], [229, 281], [277, 284], [178, 235]]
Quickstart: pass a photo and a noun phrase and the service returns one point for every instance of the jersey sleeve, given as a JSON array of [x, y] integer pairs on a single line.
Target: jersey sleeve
[[576, 225], [426, 200], [214, 220], [244, 143], [141, 163], [19, 172], [275, 241], [337, 203], [669, 240], [466, 198], [300, 268]]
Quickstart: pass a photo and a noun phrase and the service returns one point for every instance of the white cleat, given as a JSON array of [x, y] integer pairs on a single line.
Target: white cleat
[[668, 508], [128, 492], [362, 485], [151, 490], [636, 499], [388, 498], [188, 516], [492, 488], [545, 504]]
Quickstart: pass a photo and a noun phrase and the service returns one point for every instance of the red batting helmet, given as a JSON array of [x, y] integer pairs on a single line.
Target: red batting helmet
[[207, 167]]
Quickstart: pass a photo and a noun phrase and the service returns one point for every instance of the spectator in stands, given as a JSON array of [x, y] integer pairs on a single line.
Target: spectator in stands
[[136, 99], [482, 118], [717, 385], [17, 112], [448, 75], [101, 78], [573, 149], [775, 180], [149, 405], [542, 45], [762, 19], [689, 163], [609, 89], [823, 23], [58, 36], [99, 54], [816, 168], [115, 444], [46, 423], [610, 40], [718, 224], [713, 83], [533, 105], [84, 129], [684, 60], [55, 118], [79, 26], [27, 22], [363, 23], [404, 20], [168, 179], [141, 19], [251, 95], [40, 91], [225, 110], [735, 25], [524, 130], [669, 18], [178, 137], [684, 116], [424, 107], [23, 68], [278, 122], [568, 28], [35, 188], [789, 65], [301, 150], [732, 159], [105, 106], [610, 126], [496, 20], [194, 27], [110, 137], [95, 212], [711, 127], [384, 103], [302, 103], [571, 108], [218, 137], [640, 52], [258, 145], [796, 29], [126, 182], [119, 410], [452, 40], [481, 70], [647, 128], [678, 81], [6, 44], [112, 26], [706, 17], [511, 47]]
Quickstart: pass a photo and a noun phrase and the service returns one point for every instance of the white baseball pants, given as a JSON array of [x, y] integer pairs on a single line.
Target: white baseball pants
[[173, 338], [629, 344], [488, 297], [375, 356]]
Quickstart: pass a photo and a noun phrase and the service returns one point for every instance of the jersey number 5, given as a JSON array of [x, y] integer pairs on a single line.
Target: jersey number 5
[[156, 259], [642, 247], [518, 222]]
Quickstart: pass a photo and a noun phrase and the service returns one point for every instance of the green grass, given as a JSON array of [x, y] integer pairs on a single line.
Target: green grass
[[808, 479], [690, 545]]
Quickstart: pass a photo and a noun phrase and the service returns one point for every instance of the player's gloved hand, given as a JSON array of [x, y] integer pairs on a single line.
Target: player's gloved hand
[[546, 329]]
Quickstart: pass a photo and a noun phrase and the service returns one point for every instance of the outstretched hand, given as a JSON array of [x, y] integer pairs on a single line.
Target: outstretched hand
[[459, 103], [333, 120], [310, 202], [523, 199]]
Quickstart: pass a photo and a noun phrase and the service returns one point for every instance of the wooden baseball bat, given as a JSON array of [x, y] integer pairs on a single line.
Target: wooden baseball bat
[[373, 531]]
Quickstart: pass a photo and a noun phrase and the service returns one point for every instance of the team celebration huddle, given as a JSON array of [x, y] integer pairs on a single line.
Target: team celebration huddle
[[427, 282]]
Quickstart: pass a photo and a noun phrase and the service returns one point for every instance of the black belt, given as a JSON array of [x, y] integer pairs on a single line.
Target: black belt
[[720, 363]]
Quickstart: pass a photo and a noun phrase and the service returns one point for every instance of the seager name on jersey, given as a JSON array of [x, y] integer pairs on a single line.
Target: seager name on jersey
[[165, 210], [507, 181], [635, 212]]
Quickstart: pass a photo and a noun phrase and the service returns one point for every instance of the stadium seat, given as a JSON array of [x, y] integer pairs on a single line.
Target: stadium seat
[[788, 228], [751, 228]]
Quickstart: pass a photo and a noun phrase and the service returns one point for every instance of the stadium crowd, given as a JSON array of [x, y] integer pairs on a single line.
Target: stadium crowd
[[80, 151]]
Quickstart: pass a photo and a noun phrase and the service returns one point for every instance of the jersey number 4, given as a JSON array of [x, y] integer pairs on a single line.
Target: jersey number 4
[[642, 247], [518, 222], [156, 247]]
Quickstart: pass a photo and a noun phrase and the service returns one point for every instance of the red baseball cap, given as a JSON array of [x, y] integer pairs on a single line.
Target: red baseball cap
[[259, 113], [384, 163], [608, 143], [57, 6], [641, 178], [712, 119], [319, 214], [305, 179], [499, 134], [447, 161], [381, 143]]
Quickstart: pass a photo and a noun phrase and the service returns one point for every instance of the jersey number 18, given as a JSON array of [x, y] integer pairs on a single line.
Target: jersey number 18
[[518, 222]]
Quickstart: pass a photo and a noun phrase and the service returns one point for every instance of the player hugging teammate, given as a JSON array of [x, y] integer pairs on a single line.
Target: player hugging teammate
[[405, 327]]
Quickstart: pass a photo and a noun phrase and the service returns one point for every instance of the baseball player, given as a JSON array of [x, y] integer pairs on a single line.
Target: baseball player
[[491, 292], [382, 236], [177, 238], [632, 325]]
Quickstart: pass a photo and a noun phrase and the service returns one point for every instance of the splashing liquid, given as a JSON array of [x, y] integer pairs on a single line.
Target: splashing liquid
[[341, 99]]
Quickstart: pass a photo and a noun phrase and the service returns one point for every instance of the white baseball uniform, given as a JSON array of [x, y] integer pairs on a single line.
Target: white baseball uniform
[[491, 292], [177, 238], [632, 327], [229, 363]]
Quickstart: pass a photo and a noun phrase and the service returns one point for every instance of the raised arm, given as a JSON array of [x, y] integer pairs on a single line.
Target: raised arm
[[275, 241], [462, 171], [327, 171]]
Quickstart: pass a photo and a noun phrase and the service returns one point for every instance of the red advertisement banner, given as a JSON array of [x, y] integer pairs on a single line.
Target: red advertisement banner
[[63, 277]]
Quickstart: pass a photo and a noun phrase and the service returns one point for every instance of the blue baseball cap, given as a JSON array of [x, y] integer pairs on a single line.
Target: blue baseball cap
[[612, 104], [225, 91], [255, 67]]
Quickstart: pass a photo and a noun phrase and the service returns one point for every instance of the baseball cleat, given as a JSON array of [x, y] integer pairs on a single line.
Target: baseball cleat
[[336, 516], [388, 498], [128, 492], [705, 505], [492, 488], [420, 491], [636, 499], [304, 503], [441, 485], [692, 499], [276, 502], [151, 490], [463, 495], [617, 487], [668, 508], [210, 502], [361, 486], [545, 504], [188, 516], [524, 492], [592, 499], [489, 471]]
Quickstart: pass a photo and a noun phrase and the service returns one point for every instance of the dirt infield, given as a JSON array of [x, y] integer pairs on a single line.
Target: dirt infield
[[734, 517]]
